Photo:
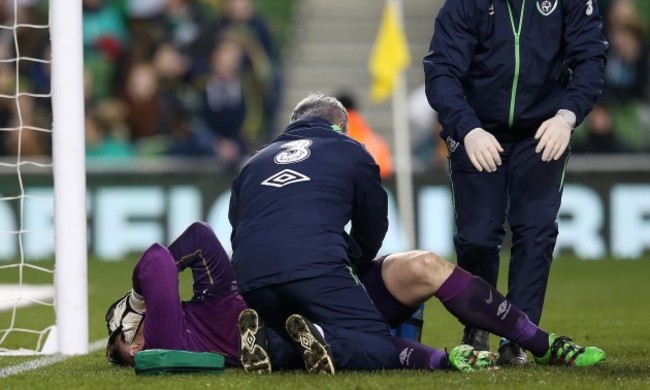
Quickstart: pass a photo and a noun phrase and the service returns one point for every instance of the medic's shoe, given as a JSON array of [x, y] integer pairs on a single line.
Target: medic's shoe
[[511, 354], [477, 338]]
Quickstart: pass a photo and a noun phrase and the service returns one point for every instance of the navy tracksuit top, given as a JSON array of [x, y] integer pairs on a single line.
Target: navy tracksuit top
[[495, 66], [291, 201]]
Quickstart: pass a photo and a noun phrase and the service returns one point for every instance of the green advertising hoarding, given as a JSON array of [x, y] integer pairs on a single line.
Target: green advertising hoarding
[[603, 213]]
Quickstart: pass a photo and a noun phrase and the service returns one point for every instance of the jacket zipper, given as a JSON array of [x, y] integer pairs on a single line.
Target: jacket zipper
[[517, 32]]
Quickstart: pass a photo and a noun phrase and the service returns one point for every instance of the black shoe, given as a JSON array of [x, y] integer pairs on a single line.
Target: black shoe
[[315, 351], [477, 338], [254, 353], [510, 354]]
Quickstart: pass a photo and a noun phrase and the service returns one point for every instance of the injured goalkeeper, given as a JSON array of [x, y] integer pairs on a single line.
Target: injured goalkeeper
[[152, 315], [206, 323]]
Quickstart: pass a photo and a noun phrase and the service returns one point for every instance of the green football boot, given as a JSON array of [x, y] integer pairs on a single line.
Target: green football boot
[[465, 358], [564, 352]]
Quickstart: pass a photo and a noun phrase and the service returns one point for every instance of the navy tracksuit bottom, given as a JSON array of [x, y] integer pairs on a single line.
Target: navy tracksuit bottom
[[525, 190], [354, 329]]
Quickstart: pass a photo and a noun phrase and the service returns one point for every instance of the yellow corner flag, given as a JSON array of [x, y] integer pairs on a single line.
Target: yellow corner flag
[[389, 56]]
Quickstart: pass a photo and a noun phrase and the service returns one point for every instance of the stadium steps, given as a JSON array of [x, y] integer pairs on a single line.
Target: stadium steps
[[331, 44]]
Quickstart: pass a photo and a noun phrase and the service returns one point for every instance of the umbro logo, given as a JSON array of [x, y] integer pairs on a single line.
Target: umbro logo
[[405, 356], [284, 178], [248, 340], [504, 309], [452, 144], [306, 341]]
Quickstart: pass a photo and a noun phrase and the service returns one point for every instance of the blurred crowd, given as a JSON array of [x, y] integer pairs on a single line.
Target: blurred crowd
[[620, 122], [204, 78], [162, 77]]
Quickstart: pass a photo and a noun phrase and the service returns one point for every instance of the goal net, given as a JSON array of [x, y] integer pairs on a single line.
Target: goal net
[[43, 286]]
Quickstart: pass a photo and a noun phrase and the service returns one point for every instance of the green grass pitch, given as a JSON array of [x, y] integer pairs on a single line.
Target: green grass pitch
[[603, 303]]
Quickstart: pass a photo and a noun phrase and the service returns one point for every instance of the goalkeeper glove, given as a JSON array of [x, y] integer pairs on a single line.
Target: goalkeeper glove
[[126, 314]]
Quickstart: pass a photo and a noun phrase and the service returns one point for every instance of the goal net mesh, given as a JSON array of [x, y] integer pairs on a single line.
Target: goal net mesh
[[26, 201]]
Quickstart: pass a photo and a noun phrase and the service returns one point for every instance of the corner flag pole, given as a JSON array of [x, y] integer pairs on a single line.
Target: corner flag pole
[[402, 139], [387, 63]]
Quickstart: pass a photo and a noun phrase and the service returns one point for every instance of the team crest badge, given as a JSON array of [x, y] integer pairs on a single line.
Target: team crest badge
[[546, 7]]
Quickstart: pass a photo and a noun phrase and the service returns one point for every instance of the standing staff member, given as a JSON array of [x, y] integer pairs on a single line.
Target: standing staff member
[[510, 79]]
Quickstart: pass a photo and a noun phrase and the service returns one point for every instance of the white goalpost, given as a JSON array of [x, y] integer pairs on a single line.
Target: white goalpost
[[69, 167], [69, 333]]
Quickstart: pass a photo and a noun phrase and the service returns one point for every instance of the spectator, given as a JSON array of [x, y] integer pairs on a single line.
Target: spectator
[[25, 141], [361, 131], [39, 74], [239, 15], [175, 93], [627, 67], [642, 8], [231, 104], [601, 136], [187, 139], [146, 25], [105, 36], [627, 78], [16, 139], [147, 105], [261, 57], [106, 133], [34, 78], [140, 96], [33, 143], [31, 41], [7, 105], [185, 21]]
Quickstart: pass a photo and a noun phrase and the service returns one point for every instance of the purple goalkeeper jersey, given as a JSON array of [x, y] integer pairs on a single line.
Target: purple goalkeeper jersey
[[208, 322]]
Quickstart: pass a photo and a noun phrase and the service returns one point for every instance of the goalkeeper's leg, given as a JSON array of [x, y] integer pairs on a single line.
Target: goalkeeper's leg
[[406, 280], [199, 248]]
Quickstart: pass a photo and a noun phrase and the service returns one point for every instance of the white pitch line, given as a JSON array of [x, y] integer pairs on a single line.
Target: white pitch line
[[16, 295], [45, 361]]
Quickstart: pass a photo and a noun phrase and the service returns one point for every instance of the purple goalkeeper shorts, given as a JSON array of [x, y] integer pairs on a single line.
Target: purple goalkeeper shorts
[[393, 312]]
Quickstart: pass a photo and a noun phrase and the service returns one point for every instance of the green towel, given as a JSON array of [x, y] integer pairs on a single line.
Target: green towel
[[167, 361]]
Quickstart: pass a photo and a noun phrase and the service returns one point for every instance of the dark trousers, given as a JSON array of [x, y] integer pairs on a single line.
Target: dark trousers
[[526, 191], [358, 336]]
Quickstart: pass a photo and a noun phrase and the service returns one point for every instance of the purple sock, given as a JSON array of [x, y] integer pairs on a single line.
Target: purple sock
[[416, 356], [475, 303]]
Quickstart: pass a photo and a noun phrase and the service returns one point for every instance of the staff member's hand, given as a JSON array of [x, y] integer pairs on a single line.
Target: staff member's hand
[[554, 135], [483, 150]]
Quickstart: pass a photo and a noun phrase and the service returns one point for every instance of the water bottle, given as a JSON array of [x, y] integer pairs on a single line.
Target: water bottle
[[411, 328]]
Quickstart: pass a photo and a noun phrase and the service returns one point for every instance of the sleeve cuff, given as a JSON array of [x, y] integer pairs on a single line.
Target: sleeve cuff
[[568, 116]]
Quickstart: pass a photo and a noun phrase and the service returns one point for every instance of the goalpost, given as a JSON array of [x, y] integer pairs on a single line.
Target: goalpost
[[69, 334], [68, 158]]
